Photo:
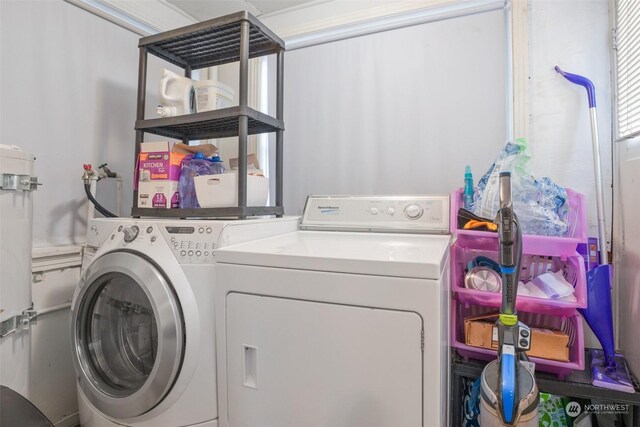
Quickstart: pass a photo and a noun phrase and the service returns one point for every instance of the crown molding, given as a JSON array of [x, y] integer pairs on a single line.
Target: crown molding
[[324, 22], [142, 17], [307, 24]]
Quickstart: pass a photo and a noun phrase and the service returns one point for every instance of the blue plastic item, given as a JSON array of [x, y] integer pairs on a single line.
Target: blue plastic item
[[471, 404], [483, 261], [467, 195], [582, 81], [608, 368], [598, 312], [190, 168], [508, 386], [217, 166]]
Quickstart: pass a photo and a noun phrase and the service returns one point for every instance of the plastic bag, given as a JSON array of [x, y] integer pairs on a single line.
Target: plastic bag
[[540, 204], [190, 168]]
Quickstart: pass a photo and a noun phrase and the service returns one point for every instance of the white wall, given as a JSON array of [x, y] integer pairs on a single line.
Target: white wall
[[629, 271], [396, 112], [575, 36], [68, 84], [560, 122]]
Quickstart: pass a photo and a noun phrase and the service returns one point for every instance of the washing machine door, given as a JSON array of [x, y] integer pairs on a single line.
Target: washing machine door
[[127, 333]]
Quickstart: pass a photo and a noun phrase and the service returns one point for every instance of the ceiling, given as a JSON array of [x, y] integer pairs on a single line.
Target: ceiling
[[207, 9]]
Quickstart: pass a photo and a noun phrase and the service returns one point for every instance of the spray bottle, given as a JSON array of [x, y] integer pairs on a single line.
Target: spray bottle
[[467, 195]]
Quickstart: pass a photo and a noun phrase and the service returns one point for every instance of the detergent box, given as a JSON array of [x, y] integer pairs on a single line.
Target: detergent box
[[158, 175]]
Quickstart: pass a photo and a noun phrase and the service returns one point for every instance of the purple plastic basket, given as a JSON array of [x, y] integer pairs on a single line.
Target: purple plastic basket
[[533, 244], [533, 265], [571, 325]]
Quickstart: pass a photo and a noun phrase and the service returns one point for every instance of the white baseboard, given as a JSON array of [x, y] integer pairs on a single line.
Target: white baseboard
[[68, 421]]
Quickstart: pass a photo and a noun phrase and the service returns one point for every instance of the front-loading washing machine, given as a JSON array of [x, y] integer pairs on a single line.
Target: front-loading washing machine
[[143, 329], [343, 323]]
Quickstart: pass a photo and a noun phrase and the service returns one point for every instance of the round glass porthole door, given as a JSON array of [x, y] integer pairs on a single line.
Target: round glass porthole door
[[127, 334], [122, 334]]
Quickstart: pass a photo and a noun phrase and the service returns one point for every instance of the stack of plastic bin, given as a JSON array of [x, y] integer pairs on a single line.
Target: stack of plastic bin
[[540, 254]]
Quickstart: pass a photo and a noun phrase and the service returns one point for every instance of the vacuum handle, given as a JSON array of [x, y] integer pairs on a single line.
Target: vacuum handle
[[582, 81], [506, 232]]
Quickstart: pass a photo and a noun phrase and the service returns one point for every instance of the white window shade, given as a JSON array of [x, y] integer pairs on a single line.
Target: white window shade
[[395, 112], [628, 68]]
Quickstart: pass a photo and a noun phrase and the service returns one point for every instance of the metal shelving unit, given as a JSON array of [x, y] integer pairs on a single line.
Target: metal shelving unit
[[576, 385], [231, 38]]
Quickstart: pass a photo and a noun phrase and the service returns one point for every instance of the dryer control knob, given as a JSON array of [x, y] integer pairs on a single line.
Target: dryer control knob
[[413, 211], [130, 233]]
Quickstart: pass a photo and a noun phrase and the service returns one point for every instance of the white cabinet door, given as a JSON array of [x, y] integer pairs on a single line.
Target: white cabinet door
[[303, 364]]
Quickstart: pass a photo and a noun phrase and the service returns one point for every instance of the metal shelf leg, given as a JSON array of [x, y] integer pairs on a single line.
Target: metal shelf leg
[[279, 134], [142, 87], [243, 121]]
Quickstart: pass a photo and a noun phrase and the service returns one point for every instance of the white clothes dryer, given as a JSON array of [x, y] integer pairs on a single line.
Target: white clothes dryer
[[143, 319], [343, 323]]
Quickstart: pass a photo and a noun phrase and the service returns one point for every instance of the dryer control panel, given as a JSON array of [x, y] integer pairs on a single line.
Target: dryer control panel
[[392, 214]]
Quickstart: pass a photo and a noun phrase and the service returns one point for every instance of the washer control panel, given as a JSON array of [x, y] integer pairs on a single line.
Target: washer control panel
[[400, 214], [191, 244]]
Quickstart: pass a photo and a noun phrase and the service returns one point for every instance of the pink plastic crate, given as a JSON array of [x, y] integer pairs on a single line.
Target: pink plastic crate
[[532, 266], [532, 244], [571, 325]]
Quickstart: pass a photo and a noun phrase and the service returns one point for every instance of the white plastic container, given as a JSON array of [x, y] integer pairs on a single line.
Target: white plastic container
[[221, 190], [176, 94], [212, 95]]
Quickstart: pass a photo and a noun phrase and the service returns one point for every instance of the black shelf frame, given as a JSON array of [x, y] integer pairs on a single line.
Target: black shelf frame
[[210, 124], [231, 38], [213, 42], [576, 385], [244, 211]]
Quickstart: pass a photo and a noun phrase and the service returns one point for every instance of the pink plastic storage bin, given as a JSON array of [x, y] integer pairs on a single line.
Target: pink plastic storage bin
[[533, 244], [571, 325], [532, 266]]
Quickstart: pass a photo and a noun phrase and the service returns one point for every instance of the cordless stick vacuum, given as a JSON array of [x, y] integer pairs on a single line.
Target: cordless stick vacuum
[[509, 393]]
